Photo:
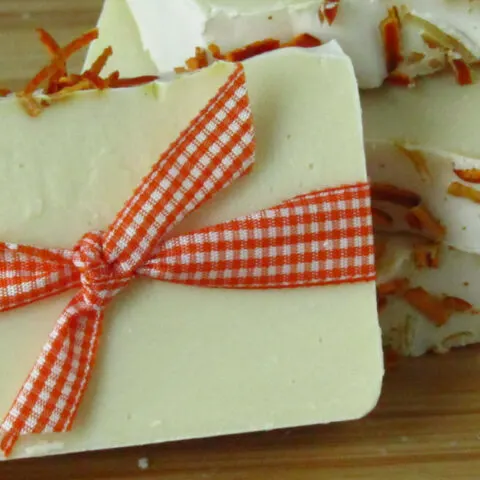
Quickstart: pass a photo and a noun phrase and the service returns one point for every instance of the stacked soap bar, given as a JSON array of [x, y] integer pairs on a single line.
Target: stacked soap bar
[[179, 362], [422, 143], [386, 39]]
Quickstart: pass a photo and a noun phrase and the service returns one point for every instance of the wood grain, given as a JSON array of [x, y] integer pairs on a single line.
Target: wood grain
[[427, 426]]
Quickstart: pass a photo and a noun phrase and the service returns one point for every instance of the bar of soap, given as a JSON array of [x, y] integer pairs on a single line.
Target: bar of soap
[[180, 362], [436, 122], [428, 173], [167, 32], [406, 328]]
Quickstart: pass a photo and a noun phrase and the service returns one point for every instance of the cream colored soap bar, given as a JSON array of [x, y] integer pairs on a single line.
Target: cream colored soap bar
[[407, 328], [178, 362], [168, 31]]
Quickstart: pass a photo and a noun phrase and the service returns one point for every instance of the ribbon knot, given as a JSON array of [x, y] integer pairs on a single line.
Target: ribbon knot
[[99, 278]]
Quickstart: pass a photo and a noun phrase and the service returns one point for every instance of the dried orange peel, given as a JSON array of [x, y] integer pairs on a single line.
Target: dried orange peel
[[201, 60], [53, 82], [460, 190], [391, 31], [386, 192], [471, 175]]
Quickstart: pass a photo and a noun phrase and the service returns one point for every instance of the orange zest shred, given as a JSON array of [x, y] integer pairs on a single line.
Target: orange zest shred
[[50, 43], [394, 287], [456, 304], [427, 255], [412, 221], [418, 160], [118, 82], [399, 79], [305, 40], [252, 50], [460, 190], [330, 10], [200, 60], [463, 72], [59, 60], [391, 30], [4, 92], [428, 223], [381, 218], [99, 64], [471, 175], [215, 51], [385, 192], [60, 84], [432, 307]]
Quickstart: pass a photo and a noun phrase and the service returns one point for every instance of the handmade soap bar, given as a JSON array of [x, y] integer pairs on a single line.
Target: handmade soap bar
[[416, 34], [428, 295], [426, 177], [181, 362], [425, 140]]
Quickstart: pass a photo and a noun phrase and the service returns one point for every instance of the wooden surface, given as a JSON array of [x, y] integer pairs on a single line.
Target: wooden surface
[[427, 425]]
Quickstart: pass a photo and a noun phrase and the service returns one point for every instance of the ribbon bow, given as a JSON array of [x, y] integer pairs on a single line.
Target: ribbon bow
[[321, 238]]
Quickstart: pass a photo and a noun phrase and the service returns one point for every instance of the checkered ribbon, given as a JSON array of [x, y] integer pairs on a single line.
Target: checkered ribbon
[[321, 238]]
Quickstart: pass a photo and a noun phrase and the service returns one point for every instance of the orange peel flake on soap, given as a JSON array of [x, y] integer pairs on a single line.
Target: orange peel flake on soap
[[381, 218], [252, 50], [418, 160], [460, 190], [426, 255], [461, 69], [429, 305], [397, 286], [330, 10], [422, 217], [385, 192], [305, 40], [391, 31], [199, 61], [456, 304], [59, 84], [471, 175], [399, 79]]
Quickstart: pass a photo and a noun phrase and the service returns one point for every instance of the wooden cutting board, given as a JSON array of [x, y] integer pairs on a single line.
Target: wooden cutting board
[[427, 425]]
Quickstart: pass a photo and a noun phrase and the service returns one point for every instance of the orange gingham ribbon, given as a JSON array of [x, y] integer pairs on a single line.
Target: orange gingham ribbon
[[321, 238]]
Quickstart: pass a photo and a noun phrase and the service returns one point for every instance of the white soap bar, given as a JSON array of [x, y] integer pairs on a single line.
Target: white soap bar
[[407, 329], [168, 31], [179, 362], [437, 114], [437, 121], [428, 173]]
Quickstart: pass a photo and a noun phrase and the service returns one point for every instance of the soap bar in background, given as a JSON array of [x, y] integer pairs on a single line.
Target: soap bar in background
[[180, 362], [428, 295], [168, 32]]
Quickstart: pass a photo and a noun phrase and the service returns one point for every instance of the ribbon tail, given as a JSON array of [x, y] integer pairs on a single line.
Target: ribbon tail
[[29, 274], [322, 238], [49, 400]]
